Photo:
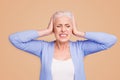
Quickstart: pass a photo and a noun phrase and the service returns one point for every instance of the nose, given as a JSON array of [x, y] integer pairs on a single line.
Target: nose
[[63, 29]]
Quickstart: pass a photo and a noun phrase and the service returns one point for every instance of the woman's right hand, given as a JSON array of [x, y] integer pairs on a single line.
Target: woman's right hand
[[47, 31], [50, 26]]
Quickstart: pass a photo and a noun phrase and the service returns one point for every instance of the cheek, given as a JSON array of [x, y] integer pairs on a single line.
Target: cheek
[[55, 30], [69, 31]]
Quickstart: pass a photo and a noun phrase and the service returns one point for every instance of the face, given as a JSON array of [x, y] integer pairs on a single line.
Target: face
[[62, 28]]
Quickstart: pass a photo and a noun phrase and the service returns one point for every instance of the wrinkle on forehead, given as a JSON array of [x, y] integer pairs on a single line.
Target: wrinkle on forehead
[[63, 19]]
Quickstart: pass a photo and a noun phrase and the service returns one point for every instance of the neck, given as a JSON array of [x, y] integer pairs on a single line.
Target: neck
[[62, 45]]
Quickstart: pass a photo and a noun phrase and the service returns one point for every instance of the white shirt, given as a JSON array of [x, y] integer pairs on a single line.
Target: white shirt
[[62, 69]]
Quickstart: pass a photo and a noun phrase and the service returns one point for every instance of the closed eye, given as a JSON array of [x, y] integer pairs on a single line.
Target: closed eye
[[67, 26], [57, 26]]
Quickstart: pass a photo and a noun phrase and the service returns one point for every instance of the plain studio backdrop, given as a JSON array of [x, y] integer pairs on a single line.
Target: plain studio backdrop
[[90, 15]]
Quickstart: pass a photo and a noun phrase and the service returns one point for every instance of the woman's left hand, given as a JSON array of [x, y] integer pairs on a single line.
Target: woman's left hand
[[75, 31]]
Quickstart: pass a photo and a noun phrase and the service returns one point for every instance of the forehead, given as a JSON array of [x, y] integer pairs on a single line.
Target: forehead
[[62, 19]]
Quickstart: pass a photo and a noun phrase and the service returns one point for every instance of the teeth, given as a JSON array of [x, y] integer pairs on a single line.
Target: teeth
[[63, 35]]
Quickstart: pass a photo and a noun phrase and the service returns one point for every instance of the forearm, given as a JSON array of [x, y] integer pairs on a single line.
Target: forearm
[[24, 36], [97, 41], [101, 38], [44, 32], [25, 41]]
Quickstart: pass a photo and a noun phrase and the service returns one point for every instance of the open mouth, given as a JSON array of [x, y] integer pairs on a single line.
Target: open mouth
[[63, 35]]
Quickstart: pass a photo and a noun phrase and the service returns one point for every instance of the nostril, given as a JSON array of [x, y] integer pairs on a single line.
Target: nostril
[[63, 29]]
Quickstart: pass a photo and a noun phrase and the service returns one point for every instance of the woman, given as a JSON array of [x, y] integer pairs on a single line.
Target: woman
[[62, 59]]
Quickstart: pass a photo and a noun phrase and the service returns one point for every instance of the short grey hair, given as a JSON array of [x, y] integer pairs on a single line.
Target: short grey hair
[[62, 13]]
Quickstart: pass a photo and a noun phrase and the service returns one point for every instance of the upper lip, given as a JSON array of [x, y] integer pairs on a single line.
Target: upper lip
[[63, 34]]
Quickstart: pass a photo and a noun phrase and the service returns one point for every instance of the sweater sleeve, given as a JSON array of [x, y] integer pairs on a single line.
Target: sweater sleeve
[[25, 41], [97, 41]]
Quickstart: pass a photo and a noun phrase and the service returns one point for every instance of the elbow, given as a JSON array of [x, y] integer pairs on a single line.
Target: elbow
[[12, 38], [111, 42], [114, 39]]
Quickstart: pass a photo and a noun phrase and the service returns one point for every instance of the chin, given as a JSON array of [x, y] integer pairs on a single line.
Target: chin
[[63, 40]]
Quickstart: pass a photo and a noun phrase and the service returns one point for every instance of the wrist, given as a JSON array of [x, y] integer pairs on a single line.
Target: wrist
[[79, 34]]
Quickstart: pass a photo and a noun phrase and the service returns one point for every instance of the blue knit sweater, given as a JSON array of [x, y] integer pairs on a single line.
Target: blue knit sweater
[[95, 42]]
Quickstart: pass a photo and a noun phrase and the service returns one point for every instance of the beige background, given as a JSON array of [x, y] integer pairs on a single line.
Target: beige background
[[91, 15]]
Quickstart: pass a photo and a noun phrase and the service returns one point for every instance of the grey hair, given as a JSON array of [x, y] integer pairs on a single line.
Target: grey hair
[[62, 13]]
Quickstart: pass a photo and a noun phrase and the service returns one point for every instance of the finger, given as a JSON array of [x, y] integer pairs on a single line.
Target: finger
[[73, 20], [50, 23]]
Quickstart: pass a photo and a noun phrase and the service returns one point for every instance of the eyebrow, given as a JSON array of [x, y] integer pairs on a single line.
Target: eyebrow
[[65, 24]]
